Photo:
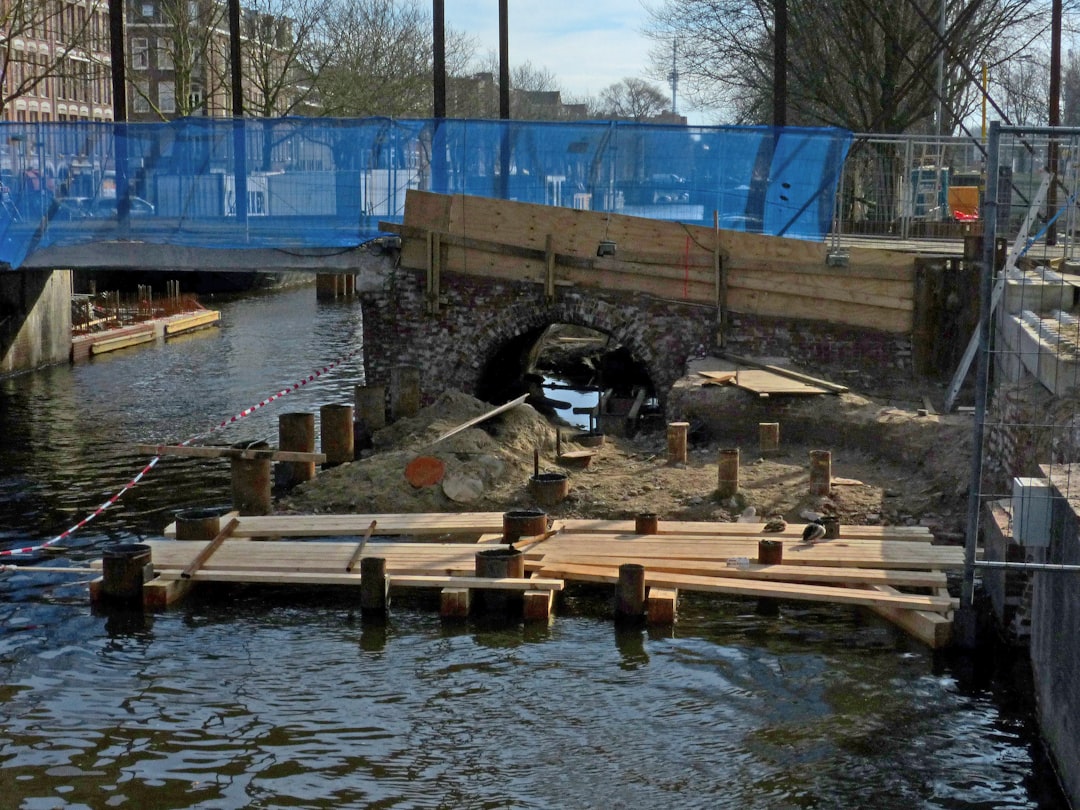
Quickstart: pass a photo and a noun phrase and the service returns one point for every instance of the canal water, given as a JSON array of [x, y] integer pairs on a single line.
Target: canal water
[[254, 698]]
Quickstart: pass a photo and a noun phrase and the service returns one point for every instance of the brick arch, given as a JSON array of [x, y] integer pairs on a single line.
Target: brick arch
[[478, 316]]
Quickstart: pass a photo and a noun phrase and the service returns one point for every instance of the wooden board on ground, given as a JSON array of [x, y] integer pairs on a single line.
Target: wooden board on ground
[[775, 590], [769, 382]]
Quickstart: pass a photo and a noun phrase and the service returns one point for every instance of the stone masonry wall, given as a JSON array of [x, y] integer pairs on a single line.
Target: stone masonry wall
[[477, 316]]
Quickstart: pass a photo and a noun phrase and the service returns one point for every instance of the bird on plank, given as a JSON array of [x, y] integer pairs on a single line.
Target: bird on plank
[[814, 531]]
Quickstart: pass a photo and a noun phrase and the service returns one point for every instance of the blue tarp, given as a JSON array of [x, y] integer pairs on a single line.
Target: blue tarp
[[322, 182]]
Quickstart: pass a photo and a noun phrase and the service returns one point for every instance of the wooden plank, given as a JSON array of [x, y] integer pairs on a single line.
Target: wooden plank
[[206, 551], [775, 590], [421, 524], [113, 344], [341, 578], [186, 323], [779, 573], [932, 629], [887, 294], [482, 417], [767, 382], [785, 372], [228, 452], [720, 529]]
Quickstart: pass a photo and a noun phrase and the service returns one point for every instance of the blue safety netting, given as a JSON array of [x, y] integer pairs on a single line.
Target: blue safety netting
[[321, 182]]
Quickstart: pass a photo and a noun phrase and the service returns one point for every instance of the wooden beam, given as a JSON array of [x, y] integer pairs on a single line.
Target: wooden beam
[[483, 417], [360, 548], [786, 372], [210, 548], [229, 452]]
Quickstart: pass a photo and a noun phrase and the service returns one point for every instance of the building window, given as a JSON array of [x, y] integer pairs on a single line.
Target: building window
[[139, 101], [140, 53], [166, 94], [164, 54], [148, 10]]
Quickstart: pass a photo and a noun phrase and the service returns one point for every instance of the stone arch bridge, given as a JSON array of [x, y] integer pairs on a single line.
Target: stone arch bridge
[[475, 276]]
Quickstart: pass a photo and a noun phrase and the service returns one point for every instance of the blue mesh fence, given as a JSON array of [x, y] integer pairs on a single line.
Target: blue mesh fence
[[318, 182]]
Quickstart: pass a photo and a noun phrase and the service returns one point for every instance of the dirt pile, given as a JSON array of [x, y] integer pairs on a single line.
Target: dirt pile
[[630, 476]]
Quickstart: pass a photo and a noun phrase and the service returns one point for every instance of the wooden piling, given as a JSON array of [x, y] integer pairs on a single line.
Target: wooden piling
[[251, 493], [125, 567], [727, 478], [770, 552], [769, 437], [646, 523], [296, 431], [404, 391], [198, 524], [336, 432], [370, 403], [630, 592], [374, 587], [499, 563], [519, 523], [832, 526], [820, 472], [676, 442]]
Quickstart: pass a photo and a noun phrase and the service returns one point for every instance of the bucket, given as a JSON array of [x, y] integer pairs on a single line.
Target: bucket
[[523, 523], [125, 567], [198, 524], [549, 489]]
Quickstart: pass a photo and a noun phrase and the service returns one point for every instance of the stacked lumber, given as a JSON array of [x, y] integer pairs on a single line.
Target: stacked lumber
[[896, 571]]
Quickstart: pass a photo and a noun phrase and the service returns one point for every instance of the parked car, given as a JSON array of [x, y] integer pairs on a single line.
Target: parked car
[[72, 208], [105, 208]]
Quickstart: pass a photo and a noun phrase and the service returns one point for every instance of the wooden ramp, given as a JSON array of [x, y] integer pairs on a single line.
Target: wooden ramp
[[898, 572]]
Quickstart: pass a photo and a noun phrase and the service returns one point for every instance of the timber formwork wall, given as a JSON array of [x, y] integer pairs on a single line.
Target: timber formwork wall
[[475, 273]]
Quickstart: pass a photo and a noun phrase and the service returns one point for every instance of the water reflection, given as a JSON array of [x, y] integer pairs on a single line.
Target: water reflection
[[264, 697]]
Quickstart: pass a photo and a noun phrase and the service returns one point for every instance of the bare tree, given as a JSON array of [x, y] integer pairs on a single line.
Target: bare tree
[[284, 48], [861, 64], [633, 100], [187, 42], [377, 59], [1023, 89], [74, 61]]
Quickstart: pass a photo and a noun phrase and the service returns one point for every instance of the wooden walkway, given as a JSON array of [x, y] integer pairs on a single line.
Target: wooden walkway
[[898, 572]]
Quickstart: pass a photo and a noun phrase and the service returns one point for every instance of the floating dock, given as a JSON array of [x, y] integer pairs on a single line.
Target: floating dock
[[88, 345], [898, 572]]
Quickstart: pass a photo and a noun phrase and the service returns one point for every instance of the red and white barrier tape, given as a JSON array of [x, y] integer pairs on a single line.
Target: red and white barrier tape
[[153, 462]]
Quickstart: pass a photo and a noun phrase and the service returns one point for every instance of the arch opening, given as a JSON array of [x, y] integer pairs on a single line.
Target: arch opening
[[566, 369]]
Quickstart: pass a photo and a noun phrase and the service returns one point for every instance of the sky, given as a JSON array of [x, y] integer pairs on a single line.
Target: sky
[[587, 44]]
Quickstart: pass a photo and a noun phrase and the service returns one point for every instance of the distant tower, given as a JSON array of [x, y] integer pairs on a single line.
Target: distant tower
[[673, 77]]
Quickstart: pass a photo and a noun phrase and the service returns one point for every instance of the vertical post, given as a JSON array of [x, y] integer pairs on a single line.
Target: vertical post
[[404, 391], [336, 433], [769, 434], [251, 494], [630, 592], [727, 477], [374, 587], [504, 61], [820, 472], [676, 442], [780, 26], [198, 524], [239, 145], [370, 403], [296, 432], [118, 58], [438, 39]]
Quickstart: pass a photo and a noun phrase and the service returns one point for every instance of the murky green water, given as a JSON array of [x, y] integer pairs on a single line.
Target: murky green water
[[256, 698]]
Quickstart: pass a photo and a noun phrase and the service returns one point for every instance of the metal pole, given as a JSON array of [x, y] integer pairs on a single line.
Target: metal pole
[[1055, 116], [438, 39], [780, 26], [119, 91], [239, 144], [967, 593], [504, 61], [941, 70]]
